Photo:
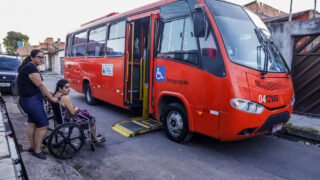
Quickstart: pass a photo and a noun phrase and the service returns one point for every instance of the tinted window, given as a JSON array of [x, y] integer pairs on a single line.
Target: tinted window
[[9, 64], [79, 44], [175, 9], [116, 39], [97, 39], [210, 56], [178, 41]]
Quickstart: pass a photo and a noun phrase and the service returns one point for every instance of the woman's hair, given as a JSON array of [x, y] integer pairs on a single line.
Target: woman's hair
[[60, 84], [28, 59]]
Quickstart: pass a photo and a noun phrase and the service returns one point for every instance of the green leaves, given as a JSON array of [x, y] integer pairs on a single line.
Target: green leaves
[[10, 41]]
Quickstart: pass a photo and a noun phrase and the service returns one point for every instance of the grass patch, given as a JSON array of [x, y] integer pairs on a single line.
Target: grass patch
[[290, 126]]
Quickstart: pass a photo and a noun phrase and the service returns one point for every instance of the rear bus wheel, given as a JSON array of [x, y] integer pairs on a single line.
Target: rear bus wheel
[[88, 93], [175, 121]]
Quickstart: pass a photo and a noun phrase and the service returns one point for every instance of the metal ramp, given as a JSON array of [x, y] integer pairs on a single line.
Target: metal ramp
[[136, 126]]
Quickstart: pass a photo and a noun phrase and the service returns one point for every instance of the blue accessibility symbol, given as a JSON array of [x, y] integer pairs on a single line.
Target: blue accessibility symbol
[[160, 73]]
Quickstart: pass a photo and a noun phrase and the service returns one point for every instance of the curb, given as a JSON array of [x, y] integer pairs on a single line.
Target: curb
[[302, 132]]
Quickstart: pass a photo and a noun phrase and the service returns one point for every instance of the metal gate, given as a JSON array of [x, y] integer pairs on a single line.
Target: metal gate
[[306, 74]]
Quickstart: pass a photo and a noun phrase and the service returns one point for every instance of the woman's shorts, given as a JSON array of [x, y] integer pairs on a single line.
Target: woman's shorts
[[33, 106]]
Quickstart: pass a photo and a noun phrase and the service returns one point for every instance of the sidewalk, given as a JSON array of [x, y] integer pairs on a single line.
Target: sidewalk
[[37, 169], [303, 126], [8, 169]]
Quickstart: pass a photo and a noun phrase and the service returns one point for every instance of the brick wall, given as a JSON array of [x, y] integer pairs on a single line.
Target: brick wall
[[263, 10]]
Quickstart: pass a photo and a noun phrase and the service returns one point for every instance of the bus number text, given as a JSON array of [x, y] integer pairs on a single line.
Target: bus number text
[[268, 98]]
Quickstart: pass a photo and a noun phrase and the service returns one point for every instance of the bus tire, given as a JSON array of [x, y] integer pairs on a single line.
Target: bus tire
[[88, 93], [175, 122]]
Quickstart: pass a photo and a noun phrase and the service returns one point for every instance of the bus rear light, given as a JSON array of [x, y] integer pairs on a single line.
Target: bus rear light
[[293, 100], [247, 106]]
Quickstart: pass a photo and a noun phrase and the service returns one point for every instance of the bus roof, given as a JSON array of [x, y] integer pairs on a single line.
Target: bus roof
[[113, 16]]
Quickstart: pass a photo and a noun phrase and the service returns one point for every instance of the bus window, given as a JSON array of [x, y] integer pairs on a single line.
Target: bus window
[[178, 41], [79, 44], [69, 45], [116, 40], [210, 56], [97, 39]]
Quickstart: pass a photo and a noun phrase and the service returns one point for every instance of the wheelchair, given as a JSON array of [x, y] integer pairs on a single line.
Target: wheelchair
[[67, 138]]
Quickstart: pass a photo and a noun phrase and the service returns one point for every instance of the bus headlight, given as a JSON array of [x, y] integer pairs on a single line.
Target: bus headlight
[[247, 106], [293, 100]]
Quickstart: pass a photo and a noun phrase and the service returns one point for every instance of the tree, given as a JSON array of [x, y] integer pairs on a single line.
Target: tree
[[10, 41]]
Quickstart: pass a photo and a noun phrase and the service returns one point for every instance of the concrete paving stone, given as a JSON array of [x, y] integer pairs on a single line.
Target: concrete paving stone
[[6, 169], [12, 108], [305, 121], [4, 150]]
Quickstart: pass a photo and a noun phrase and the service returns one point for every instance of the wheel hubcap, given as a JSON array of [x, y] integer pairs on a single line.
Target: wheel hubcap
[[175, 123]]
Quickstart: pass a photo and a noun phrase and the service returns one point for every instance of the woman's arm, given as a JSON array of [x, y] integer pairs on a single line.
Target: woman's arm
[[37, 81], [66, 101]]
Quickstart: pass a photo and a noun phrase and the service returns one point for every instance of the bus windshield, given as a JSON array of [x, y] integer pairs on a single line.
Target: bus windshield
[[238, 28]]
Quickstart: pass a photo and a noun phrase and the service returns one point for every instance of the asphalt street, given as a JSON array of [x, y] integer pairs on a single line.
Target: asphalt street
[[154, 156]]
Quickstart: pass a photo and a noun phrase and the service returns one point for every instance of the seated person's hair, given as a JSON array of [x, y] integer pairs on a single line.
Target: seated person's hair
[[60, 84]]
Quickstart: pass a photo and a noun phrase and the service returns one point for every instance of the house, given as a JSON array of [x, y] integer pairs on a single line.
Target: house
[[52, 50], [264, 11], [302, 15]]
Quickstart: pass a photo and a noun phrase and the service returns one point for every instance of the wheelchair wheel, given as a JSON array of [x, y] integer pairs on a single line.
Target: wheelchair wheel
[[66, 140]]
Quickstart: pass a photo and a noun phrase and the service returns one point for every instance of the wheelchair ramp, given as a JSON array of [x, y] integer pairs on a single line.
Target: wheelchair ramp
[[136, 126]]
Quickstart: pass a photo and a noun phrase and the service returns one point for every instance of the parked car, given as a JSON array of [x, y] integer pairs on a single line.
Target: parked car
[[8, 73]]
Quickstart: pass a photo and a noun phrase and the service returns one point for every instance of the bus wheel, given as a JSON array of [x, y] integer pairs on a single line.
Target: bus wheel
[[175, 121], [90, 100]]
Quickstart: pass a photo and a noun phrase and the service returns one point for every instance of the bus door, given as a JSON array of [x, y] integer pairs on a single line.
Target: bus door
[[137, 61]]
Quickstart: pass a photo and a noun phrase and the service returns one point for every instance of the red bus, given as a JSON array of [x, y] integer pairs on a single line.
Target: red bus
[[202, 66]]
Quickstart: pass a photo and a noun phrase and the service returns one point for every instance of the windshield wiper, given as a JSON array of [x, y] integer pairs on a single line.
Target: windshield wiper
[[265, 48]]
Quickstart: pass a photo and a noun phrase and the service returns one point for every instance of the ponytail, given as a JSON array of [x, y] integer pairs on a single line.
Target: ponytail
[[25, 61], [28, 59]]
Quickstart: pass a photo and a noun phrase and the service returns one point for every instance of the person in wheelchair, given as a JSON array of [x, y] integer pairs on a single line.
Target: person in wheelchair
[[71, 113]]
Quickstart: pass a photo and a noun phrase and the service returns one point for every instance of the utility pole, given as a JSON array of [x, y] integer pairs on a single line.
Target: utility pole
[[315, 9], [290, 15]]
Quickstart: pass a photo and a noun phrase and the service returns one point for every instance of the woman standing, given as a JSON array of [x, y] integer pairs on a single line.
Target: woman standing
[[31, 91]]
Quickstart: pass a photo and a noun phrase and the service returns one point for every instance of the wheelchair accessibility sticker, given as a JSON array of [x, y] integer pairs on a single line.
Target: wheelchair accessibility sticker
[[160, 73]]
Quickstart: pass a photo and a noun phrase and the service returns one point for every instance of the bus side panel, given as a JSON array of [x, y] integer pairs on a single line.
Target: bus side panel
[[111, 81], [187, 81], [72, 72]]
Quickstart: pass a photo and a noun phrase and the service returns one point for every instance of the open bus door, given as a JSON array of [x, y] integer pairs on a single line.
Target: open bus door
[[140, 47]]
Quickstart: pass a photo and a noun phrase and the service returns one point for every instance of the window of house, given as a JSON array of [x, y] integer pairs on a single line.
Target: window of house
[[79, 44], [69, 46], [116, 39], [178, 41], [97, 39]]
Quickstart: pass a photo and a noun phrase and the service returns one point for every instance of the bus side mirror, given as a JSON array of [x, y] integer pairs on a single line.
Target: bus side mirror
[[199, 20]]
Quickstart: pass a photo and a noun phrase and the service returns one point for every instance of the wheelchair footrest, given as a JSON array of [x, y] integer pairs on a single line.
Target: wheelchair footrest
[[136, 126]]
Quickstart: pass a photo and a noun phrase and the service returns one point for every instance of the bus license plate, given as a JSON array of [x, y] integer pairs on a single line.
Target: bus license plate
[[4, 84], [277, 127]]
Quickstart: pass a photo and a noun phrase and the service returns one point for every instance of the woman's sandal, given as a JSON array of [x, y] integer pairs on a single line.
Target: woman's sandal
[[40, 155], [100, 140], [30, 150]]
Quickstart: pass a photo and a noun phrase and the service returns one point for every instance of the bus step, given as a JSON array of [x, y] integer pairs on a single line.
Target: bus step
[[136, 126]]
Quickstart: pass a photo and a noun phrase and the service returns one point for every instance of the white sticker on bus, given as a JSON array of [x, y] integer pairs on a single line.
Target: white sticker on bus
[[107, 69]]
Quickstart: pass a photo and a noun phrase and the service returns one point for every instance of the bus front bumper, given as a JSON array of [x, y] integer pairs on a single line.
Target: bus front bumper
[[239, 125]]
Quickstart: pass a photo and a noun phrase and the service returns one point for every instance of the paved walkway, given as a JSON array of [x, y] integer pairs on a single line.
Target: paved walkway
[[7, 168]]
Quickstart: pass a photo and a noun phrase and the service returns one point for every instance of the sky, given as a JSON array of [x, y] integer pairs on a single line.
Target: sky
[[55, 18]]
